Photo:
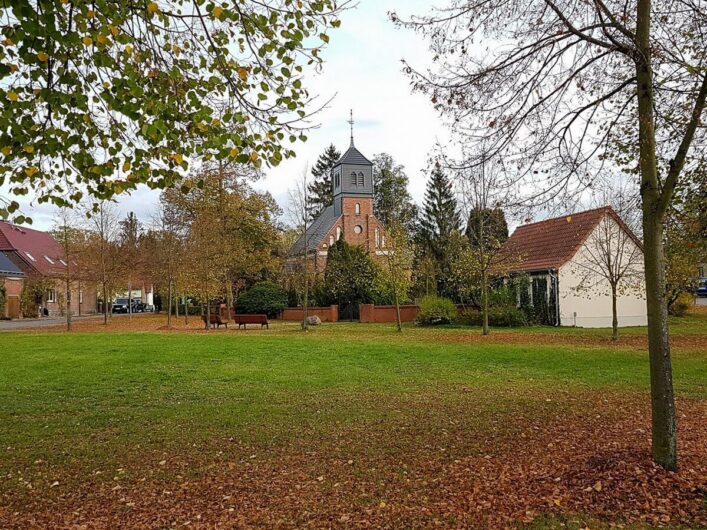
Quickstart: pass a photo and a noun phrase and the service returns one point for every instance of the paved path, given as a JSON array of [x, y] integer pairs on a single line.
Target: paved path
[[33, 323]]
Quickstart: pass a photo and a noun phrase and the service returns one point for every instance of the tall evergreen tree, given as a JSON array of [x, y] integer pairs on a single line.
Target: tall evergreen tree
[[391, 199], [440, 223], [487, 227], [320, 192]]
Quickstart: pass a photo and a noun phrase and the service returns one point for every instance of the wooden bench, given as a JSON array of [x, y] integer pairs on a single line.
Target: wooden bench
[[215, 320], [243, 320]]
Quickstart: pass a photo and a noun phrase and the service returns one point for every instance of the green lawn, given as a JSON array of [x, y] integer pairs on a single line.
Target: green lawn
[[87, 401]]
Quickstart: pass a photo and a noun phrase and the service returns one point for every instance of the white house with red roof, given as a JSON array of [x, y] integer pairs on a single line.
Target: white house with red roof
[[43, 267], [568, 259]]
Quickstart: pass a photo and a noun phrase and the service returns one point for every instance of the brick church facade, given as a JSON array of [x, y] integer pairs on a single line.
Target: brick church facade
[[350, 216]]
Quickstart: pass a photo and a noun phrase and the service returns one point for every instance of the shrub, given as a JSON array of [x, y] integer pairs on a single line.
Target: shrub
[[434, 310], [264, 297], [504, 316], [680, 306]]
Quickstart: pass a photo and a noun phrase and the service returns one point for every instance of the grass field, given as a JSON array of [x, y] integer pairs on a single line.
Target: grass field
[[347, 425]]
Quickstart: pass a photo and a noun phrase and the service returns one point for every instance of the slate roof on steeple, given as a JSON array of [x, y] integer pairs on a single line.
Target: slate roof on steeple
[[353, 156]]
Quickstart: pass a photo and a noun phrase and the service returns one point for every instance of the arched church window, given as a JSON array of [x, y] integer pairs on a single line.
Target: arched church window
[[378, 237], [338, 233], [331, 241], [357, 208], [354, 182], [360, 178]]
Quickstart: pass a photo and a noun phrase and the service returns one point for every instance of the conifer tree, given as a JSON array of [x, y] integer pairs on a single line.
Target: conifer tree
[[439, 224], [320, 192], [391, 199]]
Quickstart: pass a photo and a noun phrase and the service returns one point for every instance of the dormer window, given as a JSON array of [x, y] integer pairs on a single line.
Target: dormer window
[[62, 262], [357, 208], [360, 178], [354, 179], [50, 260], [30, 256]]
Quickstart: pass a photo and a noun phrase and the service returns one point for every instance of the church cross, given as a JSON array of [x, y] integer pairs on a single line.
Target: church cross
[[351, 123]]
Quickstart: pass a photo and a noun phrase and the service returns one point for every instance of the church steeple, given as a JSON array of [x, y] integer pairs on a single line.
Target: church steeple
[[352, 175]]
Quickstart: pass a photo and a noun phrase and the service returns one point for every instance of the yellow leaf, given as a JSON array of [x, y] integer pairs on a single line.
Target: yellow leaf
[[217, 12], [569, 218], [106, 84], [90, 13], [31, 170], [153, 7], [129, 49], [216, 122], [13, 67], [176, 49], [114, 30], [87, 40], [29, 149], [557, 502], [8, 42], [253, 156], [12, 96], [6, 150], [42, 56], [102, 39], [233, 153], [382, 504], [178, 158], [243, 73]]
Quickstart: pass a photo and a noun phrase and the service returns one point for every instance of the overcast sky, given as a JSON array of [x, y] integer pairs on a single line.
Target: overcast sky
[[363, 72]]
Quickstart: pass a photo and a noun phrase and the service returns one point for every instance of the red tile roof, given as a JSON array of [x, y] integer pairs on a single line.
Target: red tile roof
[[38, 250], [551, 243]]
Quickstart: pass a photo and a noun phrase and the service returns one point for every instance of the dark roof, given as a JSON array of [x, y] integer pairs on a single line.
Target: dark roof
[[316, 231], [8, 268], [551, 243], [353, 156], [39, 250]]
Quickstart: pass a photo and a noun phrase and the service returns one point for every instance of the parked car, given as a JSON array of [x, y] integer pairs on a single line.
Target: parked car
[[121, 305], [702, 287]]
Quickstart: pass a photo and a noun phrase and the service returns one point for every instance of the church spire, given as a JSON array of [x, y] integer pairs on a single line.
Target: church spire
[[351, 123]]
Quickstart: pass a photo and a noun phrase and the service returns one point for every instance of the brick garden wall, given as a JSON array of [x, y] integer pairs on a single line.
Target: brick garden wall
[[326, 314]]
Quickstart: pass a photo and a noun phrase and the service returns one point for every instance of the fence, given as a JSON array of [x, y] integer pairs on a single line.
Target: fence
[[326, 314]]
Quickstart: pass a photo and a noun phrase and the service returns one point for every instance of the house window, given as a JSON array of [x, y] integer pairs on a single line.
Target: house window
[[358, 229], [331, 241], [358, 208], [354, 181], [338, 233], [51, 296], [360, 178], [30, 256], [337, 180], [378, 237]]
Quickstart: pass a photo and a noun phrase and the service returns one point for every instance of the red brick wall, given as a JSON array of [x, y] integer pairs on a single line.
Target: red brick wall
[[13, 290], [326, 314], [386, 313]]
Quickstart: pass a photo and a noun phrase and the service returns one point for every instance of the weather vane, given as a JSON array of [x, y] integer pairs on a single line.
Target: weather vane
[[351, 123]]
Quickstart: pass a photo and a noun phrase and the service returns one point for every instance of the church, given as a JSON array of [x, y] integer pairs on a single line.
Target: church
[[350, 216]]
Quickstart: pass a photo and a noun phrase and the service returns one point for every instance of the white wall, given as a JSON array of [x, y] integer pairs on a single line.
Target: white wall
[[589, 295]]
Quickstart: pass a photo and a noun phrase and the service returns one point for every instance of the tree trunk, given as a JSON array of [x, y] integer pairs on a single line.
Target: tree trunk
[[614, 315], [186, 311], [485, 302], [130, 301], [662, 399], [68, 298], [169, 304], [105, 304], [397, 308]]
